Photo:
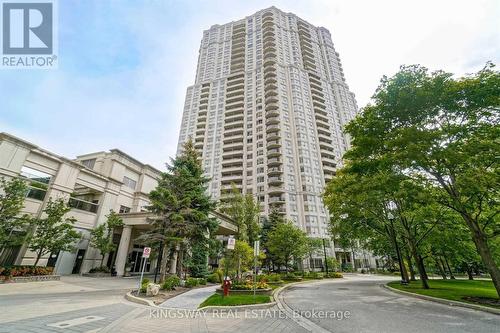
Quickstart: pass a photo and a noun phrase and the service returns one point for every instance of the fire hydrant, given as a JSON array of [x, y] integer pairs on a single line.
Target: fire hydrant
[[226, 285]]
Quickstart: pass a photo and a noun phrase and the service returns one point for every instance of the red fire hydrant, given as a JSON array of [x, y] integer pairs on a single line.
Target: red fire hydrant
[[226, 285]]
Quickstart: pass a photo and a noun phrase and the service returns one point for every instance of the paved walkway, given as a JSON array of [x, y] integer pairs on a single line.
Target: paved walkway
[[189, 300]]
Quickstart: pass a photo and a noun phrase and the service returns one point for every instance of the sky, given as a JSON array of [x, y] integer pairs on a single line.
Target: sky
[[124, 66]]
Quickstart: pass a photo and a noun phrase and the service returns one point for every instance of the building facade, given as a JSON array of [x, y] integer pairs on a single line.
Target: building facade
[[266, 113], [92, 184]]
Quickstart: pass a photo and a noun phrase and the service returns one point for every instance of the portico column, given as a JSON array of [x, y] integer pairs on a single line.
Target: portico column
[[122, 252]]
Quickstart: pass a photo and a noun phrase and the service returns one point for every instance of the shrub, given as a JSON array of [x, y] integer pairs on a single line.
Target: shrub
[[315, 275], [25, 271], [191, 282], [249, 286], [213, 278], [202, 281], [144, 285], [171, 282], [102, 269], [291, 277], [335, 275], [275, 277]]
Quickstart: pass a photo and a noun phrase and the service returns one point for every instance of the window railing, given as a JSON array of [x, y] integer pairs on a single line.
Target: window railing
[[83, 205]]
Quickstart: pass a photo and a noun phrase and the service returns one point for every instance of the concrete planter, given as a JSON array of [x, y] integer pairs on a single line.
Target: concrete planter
[[267, 291], [34, 278]]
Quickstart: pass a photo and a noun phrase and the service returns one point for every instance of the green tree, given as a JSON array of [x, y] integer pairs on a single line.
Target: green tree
[[101, 237], [241, 258], [443, 132], [274, 218], [285, 243], [182, 204], [54, 232], [245, 212], [12, 225]]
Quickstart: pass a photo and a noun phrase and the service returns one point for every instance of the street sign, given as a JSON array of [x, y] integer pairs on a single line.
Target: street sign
[[146, 252], [231, 242], [256, 248]]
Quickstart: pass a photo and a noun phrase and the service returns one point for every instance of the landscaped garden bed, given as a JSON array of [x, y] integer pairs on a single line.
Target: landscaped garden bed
[[479, 292], [27, 274], [235, 299]]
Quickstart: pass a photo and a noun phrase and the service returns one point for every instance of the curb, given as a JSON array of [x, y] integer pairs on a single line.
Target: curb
[[443, 301], [130, 297], [240, 307], [301, 321]]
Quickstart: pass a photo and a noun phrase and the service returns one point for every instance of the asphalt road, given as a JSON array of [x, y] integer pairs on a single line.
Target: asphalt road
[[94, 305], [374, 309]]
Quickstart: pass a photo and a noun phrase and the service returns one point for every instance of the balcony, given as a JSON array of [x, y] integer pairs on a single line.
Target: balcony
[[273, 152], [273, 135], [276, 200], [274, 144], [83, 205], [272, 120], [275, 180], [274, 161], [272, 128], [275, 189], [274, 171]]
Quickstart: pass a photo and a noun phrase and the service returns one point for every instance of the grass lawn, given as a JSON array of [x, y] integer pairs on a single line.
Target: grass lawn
[[219, 300], [454, 290]]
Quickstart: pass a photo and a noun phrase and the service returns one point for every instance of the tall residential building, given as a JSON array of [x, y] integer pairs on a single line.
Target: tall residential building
[[266, 113]]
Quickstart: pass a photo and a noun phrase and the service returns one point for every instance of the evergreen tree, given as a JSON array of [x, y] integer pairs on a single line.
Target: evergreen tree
[[182, 204]]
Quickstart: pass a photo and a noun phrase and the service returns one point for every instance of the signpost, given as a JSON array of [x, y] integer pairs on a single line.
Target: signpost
[[145, 255], [231, 243], [256, 250]]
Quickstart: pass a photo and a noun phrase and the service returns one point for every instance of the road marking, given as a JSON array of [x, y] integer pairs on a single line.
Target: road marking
[[75, 322]]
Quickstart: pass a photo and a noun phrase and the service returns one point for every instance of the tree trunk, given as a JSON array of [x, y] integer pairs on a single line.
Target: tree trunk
[[424, 271], [410, 266], [484, 251], [449, 269], [441, 271], [420, 264], [38, 256], [469, 272], [173, 260], [180, 263], [102, 259]]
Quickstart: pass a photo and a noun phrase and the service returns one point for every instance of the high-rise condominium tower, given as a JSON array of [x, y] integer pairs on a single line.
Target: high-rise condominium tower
[[266, 113]]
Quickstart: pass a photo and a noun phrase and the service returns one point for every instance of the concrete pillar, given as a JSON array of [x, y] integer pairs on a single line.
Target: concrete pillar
[[122, 252]]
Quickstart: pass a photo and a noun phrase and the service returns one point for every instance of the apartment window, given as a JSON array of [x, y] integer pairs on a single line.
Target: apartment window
[[129, 182], [124, 209], [90, 163]]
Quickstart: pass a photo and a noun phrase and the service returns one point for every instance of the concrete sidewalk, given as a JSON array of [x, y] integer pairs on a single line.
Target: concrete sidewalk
[[190, 299], [69, 284]]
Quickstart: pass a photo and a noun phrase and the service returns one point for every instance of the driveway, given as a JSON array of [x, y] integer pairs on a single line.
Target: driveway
[[374, 309]]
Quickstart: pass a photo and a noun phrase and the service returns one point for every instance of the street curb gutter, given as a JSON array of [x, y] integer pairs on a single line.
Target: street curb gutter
[[303, 322], [443, 301], [130, 297]]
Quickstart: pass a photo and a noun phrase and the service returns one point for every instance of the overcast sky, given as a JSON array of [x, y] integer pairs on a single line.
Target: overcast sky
[[124, 65]]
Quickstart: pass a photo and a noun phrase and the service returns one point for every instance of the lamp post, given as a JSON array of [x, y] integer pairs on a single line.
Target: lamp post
[[398, 252], [324, 252]]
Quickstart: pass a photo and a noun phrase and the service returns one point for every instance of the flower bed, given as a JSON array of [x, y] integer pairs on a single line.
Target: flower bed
[[267, 291], [7, 273]]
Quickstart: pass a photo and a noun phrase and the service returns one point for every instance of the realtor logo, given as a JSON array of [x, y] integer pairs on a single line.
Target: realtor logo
[[28, 34]]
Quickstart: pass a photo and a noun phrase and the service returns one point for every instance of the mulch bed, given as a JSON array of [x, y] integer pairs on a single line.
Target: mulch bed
[[495, 302]]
